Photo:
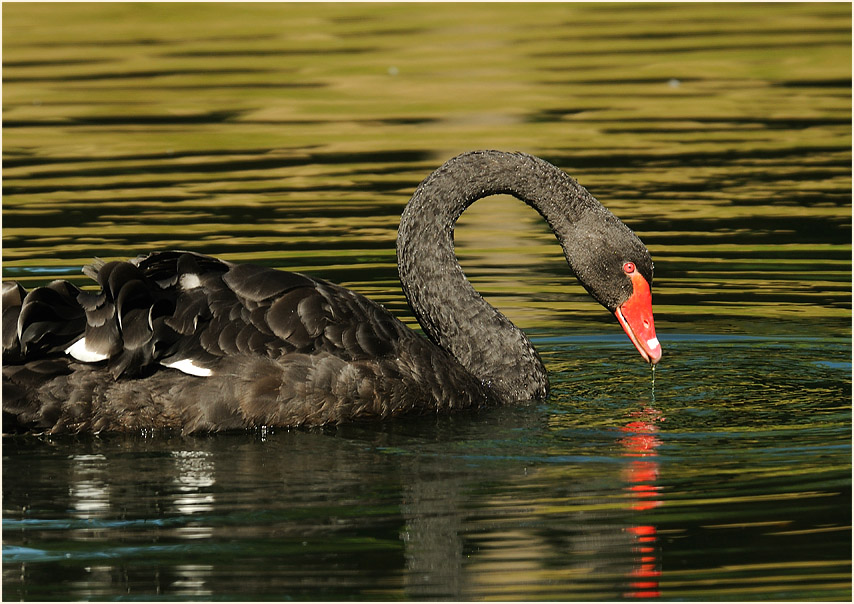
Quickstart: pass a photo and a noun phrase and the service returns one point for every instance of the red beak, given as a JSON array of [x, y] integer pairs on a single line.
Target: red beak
[[635, 315]]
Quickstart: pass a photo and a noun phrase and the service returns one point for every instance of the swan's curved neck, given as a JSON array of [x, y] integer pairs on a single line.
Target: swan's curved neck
[[446, 305]]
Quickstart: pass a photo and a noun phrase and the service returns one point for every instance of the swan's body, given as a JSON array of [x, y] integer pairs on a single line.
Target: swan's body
[[181, 340]]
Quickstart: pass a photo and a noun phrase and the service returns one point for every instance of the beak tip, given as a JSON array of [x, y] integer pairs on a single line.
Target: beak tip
[[654, 350]]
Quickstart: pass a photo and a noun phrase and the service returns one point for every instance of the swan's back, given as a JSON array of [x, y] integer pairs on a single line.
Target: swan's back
[[182, 340]]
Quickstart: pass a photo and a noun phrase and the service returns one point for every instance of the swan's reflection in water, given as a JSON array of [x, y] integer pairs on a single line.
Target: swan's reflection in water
[[443, 513], [426, 509], [433, 544], [191, 580], [641, 475], [194, 477], [88, 490], [193, 480], [89, 499]]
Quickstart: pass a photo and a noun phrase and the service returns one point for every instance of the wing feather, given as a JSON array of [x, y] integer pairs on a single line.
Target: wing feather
[[190, 311]]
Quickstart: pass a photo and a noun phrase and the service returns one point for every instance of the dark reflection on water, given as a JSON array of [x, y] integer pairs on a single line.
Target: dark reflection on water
[[292, 136]]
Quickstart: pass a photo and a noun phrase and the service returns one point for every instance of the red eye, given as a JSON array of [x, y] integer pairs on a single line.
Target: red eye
[[629, 267]]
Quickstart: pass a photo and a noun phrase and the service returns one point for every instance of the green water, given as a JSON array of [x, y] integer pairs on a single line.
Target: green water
[[293, 135]]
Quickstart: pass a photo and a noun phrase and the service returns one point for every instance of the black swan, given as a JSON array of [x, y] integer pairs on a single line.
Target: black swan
[[180, 340]]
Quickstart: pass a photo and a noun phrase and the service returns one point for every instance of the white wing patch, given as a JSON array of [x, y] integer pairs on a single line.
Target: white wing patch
[[80, 351], [189, 367], [190, 281]]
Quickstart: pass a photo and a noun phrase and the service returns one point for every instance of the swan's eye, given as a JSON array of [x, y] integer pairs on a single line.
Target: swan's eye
[[629, 268]]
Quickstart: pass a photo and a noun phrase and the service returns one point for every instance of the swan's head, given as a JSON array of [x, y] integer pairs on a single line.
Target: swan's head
[[616, 269]]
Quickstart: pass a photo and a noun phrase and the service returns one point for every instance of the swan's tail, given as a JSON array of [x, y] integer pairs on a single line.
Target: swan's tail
[[59, 339], [41, 322], [37, 328]]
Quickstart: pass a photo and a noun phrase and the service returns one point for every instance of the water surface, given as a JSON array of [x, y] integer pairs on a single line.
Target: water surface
[[293, 135]]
